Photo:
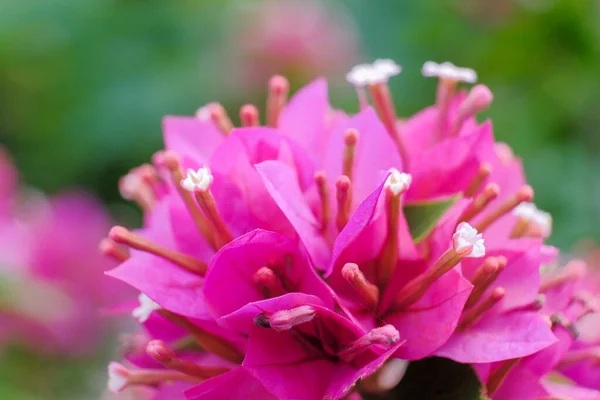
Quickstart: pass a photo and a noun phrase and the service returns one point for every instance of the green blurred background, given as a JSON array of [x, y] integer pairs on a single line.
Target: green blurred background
[[84, 85]]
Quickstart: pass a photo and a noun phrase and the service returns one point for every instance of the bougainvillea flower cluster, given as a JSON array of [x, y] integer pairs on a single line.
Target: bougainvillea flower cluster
[[52, 283], [298, 259]]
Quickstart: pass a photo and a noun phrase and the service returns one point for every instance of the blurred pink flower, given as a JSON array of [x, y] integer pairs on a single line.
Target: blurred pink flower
[[298, 38], [52, 274]]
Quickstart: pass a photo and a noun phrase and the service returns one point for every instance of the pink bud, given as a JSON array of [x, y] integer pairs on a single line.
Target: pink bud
[[287, 319]]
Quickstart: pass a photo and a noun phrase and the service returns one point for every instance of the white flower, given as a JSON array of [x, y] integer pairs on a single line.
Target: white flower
[[398, 182], [118, 377], [450, 71], [146, 307], [370, 74], [387, 67], [529, 212], [201, 179], [467, 241]]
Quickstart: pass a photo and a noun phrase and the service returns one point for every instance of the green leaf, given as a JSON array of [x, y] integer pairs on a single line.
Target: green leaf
[[436, 379], [422, 217]]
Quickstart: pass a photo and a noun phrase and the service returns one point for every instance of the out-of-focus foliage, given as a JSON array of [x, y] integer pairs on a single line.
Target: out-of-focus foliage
[[84, 84]]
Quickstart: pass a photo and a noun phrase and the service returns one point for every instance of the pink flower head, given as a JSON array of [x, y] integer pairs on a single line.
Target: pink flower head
[[322, 244]]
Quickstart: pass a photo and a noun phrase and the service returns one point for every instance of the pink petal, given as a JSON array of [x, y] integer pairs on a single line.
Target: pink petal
[[191, 138], [375, 152], [449, 167], [568, 391], [232, 269], [305, 118], [427, 324], [234, 384], [419, 131], [499, 337], [282, 184], [520, 278], [520, 385]]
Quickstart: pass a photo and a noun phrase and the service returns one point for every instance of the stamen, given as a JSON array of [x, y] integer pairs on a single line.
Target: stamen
[[287, 319], [147, 306], [385, 336], [133, 188], [277, 97], [574, 270], [524, 194], [576, 356], [485, 275], [350, 140], [120, 377], [344, 201], [121, 235], [205, 339], [469, 317], [219, 116], [268, 283], [203, 113], [158, 350], [485, 170], [538, 303], [520, 228], [415, 289], [396, 184], [499, 374], [487, 195], [531, 217], [479, 98], [149, 175], [249, 115], [587, 301], [368, 293], [375, 76], [449, 75], [466, 243], [199, 183], [113, 250], [171, 161], [323, 189], [504, 152], [384, 104]]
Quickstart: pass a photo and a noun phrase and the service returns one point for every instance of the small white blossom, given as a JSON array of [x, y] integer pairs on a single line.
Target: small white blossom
[[447, 70], [201, 179], [387, 67], [529, 212], [398, 182], [370, 74], [467, 241], [146, 307], [117, 377]]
